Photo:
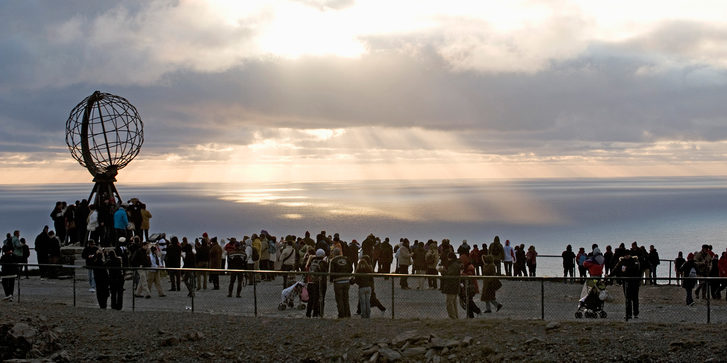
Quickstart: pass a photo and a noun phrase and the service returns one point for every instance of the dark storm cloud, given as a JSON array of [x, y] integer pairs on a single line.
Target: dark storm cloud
[[664, 85]]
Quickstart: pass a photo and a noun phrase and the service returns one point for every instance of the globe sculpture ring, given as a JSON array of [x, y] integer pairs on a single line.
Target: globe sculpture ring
[[104, 133]]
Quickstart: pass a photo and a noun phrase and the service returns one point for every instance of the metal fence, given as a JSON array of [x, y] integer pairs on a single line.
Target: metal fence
[[547, 298]]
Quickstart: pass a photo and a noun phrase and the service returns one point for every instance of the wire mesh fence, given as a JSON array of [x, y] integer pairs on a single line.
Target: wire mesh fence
[[274, 294]]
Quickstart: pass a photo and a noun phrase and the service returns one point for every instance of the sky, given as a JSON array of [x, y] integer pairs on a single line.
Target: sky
[[315, 90]]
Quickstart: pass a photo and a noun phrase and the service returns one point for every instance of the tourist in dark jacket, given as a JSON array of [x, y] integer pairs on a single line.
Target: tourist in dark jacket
[[450, 284], [116, 280], [490, 285], [568, 263], [689, 270], [42, 242], [653, 257], [173, 260], [189, 262], [9, 271], [101, 275]]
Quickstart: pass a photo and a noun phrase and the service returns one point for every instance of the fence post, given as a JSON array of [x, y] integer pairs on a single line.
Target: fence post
[[254, 293], [133, 292], [467, 296], [194, 288], [670, 272], [709, 298], [74, 287], [542, 299], [392, 298], [19, 286]]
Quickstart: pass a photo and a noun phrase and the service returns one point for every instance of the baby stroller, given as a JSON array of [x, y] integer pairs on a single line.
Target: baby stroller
[[593, 295], [290, 293]]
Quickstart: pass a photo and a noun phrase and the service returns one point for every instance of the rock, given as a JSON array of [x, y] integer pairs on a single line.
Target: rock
[[467, 341], [169, 342], [207, 355], [436, 359], [390, 354], [60, 357], [23, 331], [452, 357], [415, 351], [374, 357], [404, 337], [533, 340], [370, 350], [552, 325], [442, 343]]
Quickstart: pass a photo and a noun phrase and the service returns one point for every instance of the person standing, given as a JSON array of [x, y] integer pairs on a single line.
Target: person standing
[[54, 254], [42, 242], [530, 258], [173, 259], [386, 257], [581, 257], [153, 277], [629, 269], [404, 261], [498, 254], [471, 289], [140, 258], [490, 285], [121, 221], [101, 278], [215, 262], [608, 260], [420, 263], [237, 260], [315, 266], [365, 284], [688, 270], [450, 284], [432, 259], [202, 252], [287, 260], [509, 257], [9, 272], [653, 262], [89, 253], [145, 217], [678, 263], [568, 263], [189, 263], [340, 270], [476, 259], [116, 280], [59, 220]]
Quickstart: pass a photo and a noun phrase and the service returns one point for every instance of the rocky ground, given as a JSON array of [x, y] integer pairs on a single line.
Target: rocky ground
[[59, 332]]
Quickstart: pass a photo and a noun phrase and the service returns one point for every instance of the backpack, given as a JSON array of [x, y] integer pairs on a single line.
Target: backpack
[[255, 254]]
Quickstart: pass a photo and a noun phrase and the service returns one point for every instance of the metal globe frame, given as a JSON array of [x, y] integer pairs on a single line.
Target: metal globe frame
[[104, 133]]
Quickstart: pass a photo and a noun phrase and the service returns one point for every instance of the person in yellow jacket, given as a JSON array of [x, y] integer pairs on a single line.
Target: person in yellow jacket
[[145, 217]]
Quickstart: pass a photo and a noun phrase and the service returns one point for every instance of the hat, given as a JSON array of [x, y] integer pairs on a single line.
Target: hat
[[690, 256], [320, 252], [122, 239], [204, 234]]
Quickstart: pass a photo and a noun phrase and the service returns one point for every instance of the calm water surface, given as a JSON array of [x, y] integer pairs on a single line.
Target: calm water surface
[[672, 213]]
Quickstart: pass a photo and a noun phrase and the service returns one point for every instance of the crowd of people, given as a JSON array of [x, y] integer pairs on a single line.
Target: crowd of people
[[329, 259], [104, 222]]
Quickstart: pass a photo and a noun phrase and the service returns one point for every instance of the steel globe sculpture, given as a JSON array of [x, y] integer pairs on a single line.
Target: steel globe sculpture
[[104, 133]]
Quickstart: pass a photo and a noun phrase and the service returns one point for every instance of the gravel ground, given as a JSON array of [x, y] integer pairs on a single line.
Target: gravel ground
[[84, 334], [44, 324]]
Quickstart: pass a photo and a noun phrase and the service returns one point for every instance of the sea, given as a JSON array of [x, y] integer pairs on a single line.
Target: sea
[[673, 214]]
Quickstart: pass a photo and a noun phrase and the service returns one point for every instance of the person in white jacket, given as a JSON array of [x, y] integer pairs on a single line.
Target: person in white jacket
[[92, 224]]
